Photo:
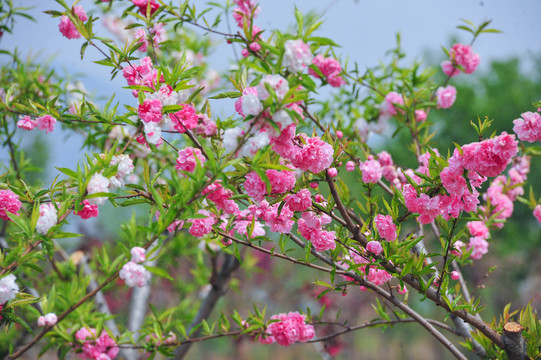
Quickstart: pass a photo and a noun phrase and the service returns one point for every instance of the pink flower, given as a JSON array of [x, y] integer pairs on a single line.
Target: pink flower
[[141, 37], [301, 201], [529, 127], [457, 248], [188, 158], [101, 348], [386, 227], [185, 119], [391, 99], [446, 97], [290, 329], [202, 226], [420, 115], [143, 74], [537, 213], [281, 181], [455, 275], [151, 110], [350, 166], [27, 123], [478, 228], [332, 172], [479, 247], [9, 202], [297, 55], [8, 289], [464, 56], [449, 69], [374, 247], [330, 68], [138, 254], [134, 274], [49, 319], [255, 187], [89, 210], [46, 123], [315, 156], [371, 170], [281, 223], [67, 28], [143, 5], [488, 157], [428, 208], [311, 227]]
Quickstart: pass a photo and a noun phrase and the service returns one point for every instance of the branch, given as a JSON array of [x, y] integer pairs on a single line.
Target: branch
[[515, 346], [219, 288]]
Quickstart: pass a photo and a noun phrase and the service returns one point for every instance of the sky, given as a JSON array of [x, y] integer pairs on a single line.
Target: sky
[[365, 30]]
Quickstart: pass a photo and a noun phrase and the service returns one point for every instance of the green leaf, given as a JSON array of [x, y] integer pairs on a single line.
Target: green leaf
[[159, 272], [227, 94]]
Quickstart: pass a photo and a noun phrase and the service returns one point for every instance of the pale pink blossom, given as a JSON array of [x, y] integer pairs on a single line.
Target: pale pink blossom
[[202, 226], [391, 99], [478, 228], [297, 55], [332, 172], [26, 123], [537, 212], [386, 227], [457, 248], [188, 158], [455, 275], [66, 26], [47, 218], [449, 69], [464, 56], [330, 68], [9, 202], [46, 122], [479, 247], [374, 247], [138, 254], [249, 103], [185, 119], [528, 128], [95, 348], [420, 115], [315, 156], [446, 97], [134, 274], [278, 84], [49, 319], [350, 166], [300, 201], [371, 170]]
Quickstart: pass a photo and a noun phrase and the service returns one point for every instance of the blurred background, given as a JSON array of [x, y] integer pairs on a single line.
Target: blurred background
[[504, 85]]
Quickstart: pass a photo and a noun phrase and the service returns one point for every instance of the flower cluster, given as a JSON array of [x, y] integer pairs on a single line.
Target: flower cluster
[[95, 348], [297, 56], [67, 27], [330, 68], [462, 56], [49, 319], [133, 273], [45, 122], [386, 227], [291, 328], [188, 158], [478, 242], [9, 202], [311, 227]]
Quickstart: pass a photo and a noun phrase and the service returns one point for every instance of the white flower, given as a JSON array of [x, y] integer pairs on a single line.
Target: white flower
[[282, 117], [134, 274], [231, 138], [254, 143], [8, 288], [47, 218], [125, 165], [277, 83], [251, 105], [297, 55], [49, 319], [97, 184], [153, 133], [138, 254]]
